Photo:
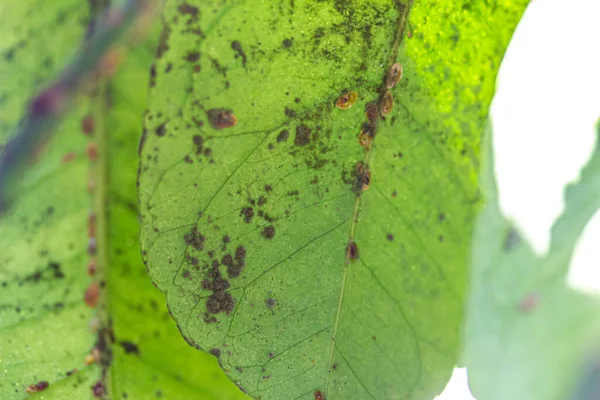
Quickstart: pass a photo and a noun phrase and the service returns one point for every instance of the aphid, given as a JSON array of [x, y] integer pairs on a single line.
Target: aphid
[[394, 75], [387, 104], [92, 294], [352, 251], [371, 112], [92, 151], [37, 387], [221, 118], [346, 100]]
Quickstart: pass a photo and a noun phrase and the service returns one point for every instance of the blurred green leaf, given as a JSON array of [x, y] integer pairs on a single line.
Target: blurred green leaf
[[46, 329], [250, 228], [528, 335]]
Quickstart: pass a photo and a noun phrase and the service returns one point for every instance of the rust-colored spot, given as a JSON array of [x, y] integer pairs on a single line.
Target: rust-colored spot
[[409, 34], [70, 156], [92, 151], [221, 118], [87, 124], [346, 100], [352, 251], [387, 104], [37, 387], [394, 76], [319, 395], [92, 295]]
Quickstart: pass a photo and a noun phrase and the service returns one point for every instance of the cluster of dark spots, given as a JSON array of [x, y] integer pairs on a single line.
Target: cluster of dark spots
[[270, 303], [192, 56], [237, 47], [268, 188], [247, 213], [53, 269], [289, 113], [372, 112], [283, 136], [262, 200], [37, 387], [398, 155], [352, 251], [161, 130], [268, 232], [287, 43], [215, 352], [130, 347], [195, 239], [235, 265], [220, 300], [359, 178], [390, 237], [221, 118], [187, 274], [303, 133], [293, 192]]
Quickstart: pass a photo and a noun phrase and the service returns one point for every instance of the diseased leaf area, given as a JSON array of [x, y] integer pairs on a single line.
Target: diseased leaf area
[[524, 323], [307, 220], [43, 241]]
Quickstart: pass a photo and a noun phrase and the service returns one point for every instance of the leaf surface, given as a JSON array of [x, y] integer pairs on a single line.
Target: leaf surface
[[528, 335], [46, 328], [307, 261]]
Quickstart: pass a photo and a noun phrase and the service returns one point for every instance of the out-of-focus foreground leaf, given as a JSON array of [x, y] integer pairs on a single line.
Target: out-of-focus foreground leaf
[[46, 328], [528, 335], [308, 262]]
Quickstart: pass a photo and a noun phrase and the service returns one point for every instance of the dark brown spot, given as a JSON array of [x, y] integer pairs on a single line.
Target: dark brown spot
[[268, 232], [215, 352], [247, 213], [287, 43], [390, 237], [372, 112], [226, 239], [289, 113], [268, 188], [302, 135], [161, 130], [130, 347], [92, 295], [352, 251], [270, 303], [192, 56], [188, 9], [237, 46], [283, 136], [221, 118], [262, 200]]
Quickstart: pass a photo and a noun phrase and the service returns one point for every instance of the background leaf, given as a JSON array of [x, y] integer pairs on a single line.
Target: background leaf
[[45, 326], [528, 335], [269, 251]]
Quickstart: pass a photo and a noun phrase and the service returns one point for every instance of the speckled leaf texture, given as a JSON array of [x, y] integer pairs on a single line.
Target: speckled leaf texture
[[46, 328], [528, 335], [311, 263]]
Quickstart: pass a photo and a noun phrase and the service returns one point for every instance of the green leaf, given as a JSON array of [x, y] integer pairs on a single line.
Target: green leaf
[[46, 328], [528, 335], [270, 253]]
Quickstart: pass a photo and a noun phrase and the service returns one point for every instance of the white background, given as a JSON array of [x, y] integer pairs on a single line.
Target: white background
[[546, 106]]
